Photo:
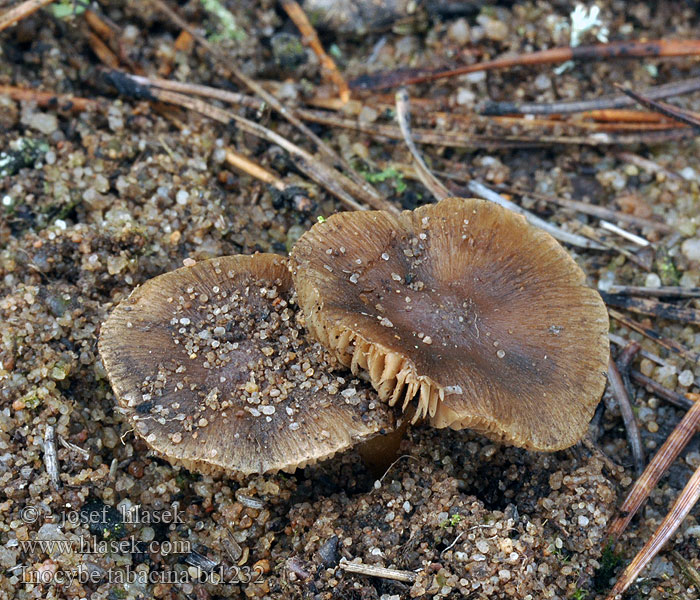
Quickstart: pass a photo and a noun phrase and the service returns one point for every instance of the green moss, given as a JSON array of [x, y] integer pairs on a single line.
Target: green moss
[[117, 593], [185, 478], [390, 173], [609, 563], [23, 153], [31, 400], [229, 29], [666, 268], [103, 520], [288, 50]]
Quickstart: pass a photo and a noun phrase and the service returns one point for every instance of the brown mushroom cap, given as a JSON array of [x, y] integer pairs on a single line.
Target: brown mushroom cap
[[488, 319], [212, 368]]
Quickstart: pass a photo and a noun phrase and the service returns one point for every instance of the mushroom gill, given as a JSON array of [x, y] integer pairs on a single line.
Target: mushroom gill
[[212, 367], [462, 304]]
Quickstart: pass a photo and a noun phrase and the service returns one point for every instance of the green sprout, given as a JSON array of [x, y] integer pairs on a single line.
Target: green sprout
[[335, 51], [666, 268], [453, 521], [230, 31], [68, 8], [388, 173], [321, 219], [31, 400]]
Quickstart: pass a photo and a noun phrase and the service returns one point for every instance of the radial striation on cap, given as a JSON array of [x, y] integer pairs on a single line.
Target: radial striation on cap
[[484, 319], [213, 369]]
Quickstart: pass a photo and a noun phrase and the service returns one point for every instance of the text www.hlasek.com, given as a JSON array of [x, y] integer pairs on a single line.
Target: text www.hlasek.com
[[94, 545]]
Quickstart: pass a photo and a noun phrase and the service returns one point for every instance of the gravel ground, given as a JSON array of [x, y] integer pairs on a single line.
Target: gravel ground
[[94, 203]]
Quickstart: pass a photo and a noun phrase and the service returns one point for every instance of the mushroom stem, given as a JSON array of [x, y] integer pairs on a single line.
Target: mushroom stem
[[380, 452]]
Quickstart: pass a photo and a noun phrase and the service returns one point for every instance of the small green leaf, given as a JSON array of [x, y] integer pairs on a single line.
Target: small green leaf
[[68, 8]]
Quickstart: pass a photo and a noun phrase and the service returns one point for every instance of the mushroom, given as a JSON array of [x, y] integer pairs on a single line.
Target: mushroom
[[213, 369], [462, 303]]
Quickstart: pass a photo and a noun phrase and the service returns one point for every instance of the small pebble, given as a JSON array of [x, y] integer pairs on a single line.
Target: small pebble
[[458, 31], [652, 281], [686, 378], [691, 249], [543, 82], [329, 552]]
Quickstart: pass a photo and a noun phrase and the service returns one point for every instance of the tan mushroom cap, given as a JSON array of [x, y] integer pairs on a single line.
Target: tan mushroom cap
[[214, 371], [487, 319]]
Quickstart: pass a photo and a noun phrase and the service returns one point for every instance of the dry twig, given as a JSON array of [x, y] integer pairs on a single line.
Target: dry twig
[[201, 90], [618, 390], [437, 189], [665, 109], [102, 51], [289, 115], [71, 446], [671, 396], [668, 90], [479, 189], [592, 446], [626, 49], [648, 306], [249, 166], [590, 209], [48, 99], [373, 571], [50, 456], [640, 241], [19, 12], [680, 509], [624, 361], [648, 332], [335, 182], [690, 572], [648, 165], [310, 37], [467, 139], [670, 291], [658, 465]]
